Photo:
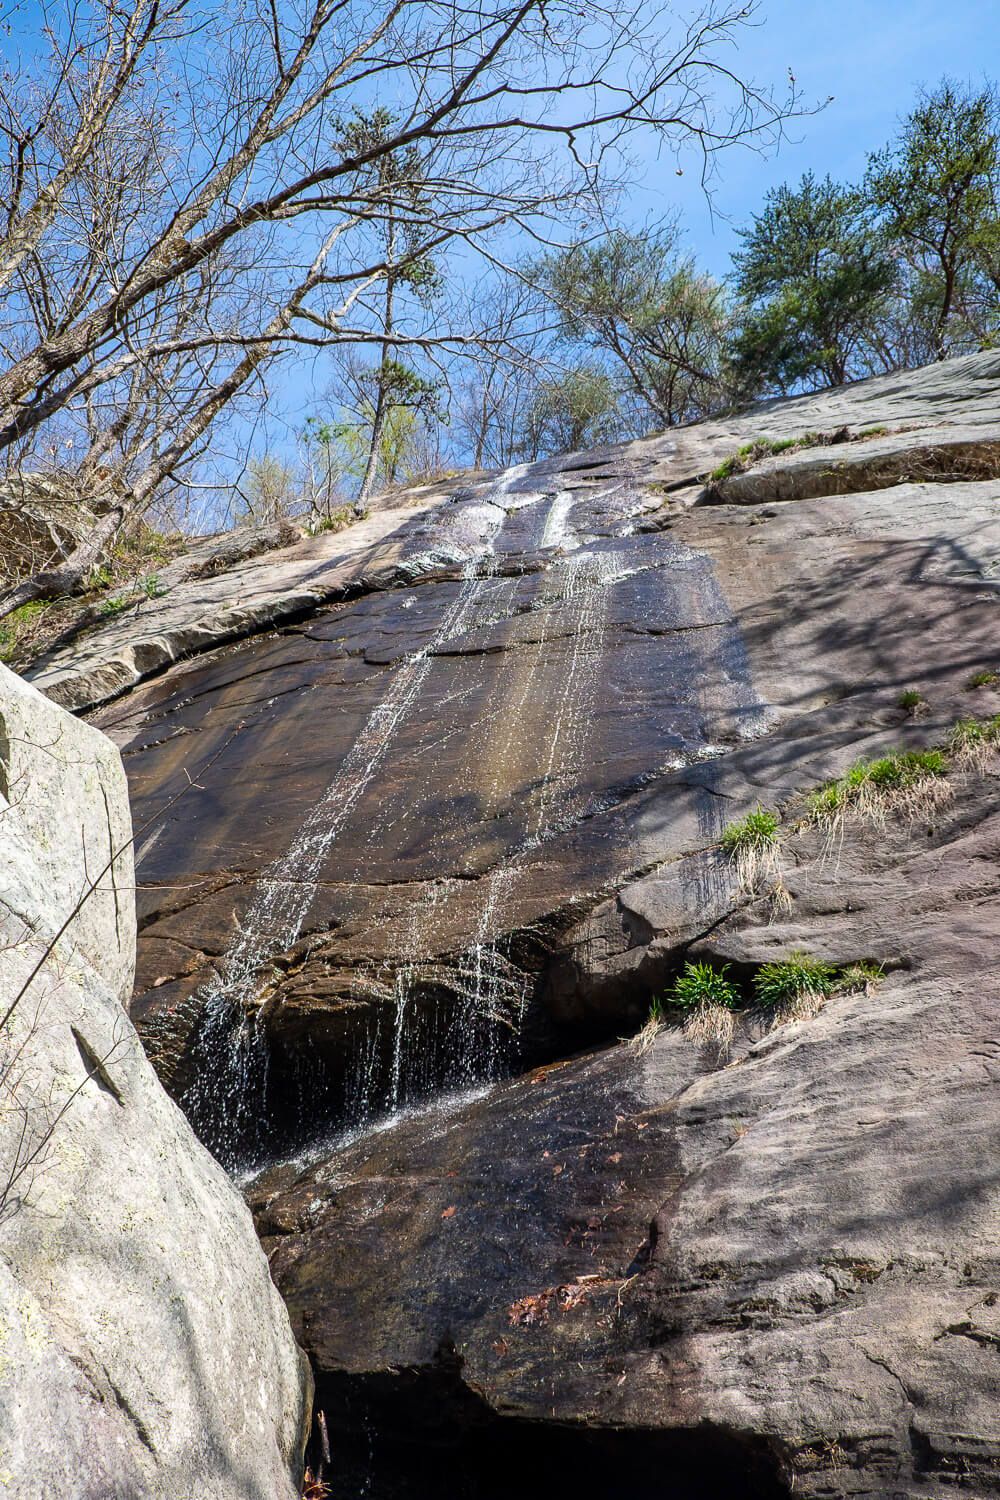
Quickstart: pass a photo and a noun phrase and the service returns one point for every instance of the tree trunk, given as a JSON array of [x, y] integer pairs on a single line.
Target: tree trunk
[[371, 467], [52, 582], [381, 401]]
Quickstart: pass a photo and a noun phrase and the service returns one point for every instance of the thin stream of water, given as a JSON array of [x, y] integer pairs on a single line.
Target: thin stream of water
[[473, 1038]]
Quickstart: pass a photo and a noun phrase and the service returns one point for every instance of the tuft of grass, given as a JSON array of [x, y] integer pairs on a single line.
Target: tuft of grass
[[752, 844], [17, 625], [152, 587], [907, 781], [651, 1028], [726, 469], [861, 976], [973, 742], [708, 999], [912, 701], [751, 453], [793, 988], [987, 677], [703, 984], [108, 608]]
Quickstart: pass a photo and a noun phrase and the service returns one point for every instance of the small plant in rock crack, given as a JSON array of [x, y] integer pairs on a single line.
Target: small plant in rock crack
[[752, 845], [709, 1000], [974, 742], [793, 988], [911, 782], [987, 677], [751, 453], [913, 702], [651, 1028], [863, 976]]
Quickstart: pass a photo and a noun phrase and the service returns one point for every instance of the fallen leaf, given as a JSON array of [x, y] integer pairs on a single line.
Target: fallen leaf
[[449, 1213]]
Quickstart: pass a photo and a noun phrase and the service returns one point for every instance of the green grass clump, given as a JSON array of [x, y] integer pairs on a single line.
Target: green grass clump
[[987, 677], [114, 606], [709, 1000], [902, 780], [752, 845], [751, 453], [704, 984], [758, 830], [794, 987], [910, 699], [972, 742], [725, 470], [862, 975], [17, 624]]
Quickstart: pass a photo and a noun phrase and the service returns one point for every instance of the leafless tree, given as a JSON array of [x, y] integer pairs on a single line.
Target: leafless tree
[[184, 197]]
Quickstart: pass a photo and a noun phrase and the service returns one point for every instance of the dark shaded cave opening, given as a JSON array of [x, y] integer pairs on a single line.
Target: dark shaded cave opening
[[424, 1435]]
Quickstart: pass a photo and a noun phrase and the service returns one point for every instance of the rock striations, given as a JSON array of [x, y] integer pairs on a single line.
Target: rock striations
[[453, 789]]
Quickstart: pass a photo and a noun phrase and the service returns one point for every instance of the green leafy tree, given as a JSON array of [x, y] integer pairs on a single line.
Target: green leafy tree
[[637, 299], [815, 279], [399, 178], [936, 189]]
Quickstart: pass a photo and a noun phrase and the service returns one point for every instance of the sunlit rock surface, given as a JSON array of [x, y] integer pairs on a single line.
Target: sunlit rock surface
[[143, 1349], [451, 812]]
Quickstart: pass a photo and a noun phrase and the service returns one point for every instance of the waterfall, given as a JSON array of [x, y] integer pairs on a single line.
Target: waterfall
[[226, 1102], [473, 1037]]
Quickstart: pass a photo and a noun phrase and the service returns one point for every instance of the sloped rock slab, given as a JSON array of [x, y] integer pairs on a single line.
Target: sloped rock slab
[[769, 1274]]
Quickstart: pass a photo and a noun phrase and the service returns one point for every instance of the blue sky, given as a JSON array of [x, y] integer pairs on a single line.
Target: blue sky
[[872, 56]]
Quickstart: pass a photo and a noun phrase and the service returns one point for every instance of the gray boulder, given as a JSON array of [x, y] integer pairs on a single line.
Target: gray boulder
[[143, 1348]]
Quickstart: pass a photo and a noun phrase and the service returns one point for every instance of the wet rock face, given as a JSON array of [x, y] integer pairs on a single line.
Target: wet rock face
[[396, 809], [775, 1272], [436, 765], [450, 811]]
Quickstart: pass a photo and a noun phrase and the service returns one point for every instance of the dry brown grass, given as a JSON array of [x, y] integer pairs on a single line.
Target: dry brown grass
[[711, 1024]]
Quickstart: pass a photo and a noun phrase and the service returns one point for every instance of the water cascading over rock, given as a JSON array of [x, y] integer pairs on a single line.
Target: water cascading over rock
[[767, 1275], [469, 1032]]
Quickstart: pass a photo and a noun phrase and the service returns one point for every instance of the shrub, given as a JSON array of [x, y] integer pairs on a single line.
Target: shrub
[[337, 520], [795, 987], [752, 845]]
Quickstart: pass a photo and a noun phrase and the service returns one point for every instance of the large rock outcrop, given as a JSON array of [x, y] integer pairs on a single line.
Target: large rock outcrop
[[143, 1349], [768, 1274], [455, 812]]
